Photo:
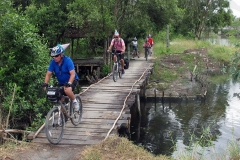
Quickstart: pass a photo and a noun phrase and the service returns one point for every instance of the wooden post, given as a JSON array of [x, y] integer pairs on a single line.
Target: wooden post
[[155, 95], [105, 53], [138, 104], [162, 97], [128, 51], [167, 38]]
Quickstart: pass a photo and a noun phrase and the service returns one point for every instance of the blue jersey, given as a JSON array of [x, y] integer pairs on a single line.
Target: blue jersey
[[62, 71]]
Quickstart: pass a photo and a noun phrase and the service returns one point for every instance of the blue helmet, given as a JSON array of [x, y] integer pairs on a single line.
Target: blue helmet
[[56, 50]]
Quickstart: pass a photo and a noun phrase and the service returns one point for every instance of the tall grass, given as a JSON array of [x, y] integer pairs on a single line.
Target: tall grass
[[222, 53]]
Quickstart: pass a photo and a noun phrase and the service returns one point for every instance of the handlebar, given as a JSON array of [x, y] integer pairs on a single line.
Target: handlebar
[[113, 52]]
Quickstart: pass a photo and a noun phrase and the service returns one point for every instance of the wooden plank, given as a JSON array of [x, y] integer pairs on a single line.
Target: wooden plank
[[102, 121], [102, 104], [104, 116]]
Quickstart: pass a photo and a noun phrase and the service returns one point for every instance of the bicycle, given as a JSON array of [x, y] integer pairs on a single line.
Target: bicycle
[[58, 115], [134, 53], [117, 68], [150, 51], [147, 50]]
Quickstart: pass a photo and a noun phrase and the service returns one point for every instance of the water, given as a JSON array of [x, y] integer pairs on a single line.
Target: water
[[221, 40], [170, 128]]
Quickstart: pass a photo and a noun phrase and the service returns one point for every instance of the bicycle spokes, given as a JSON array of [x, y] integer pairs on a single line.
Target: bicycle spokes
[[54, 125]]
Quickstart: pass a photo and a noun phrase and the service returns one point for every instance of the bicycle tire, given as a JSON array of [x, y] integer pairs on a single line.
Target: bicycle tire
[[134, 53], [146, 54], [115, 72], [54, 126], [120, 71], [76, 116]]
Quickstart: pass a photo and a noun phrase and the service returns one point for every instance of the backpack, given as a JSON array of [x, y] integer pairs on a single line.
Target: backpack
[[126, 63]]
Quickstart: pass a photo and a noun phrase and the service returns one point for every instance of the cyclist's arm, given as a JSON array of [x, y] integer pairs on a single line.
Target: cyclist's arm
[[110, 47], [72, 76], [47, 77], [124, 48]]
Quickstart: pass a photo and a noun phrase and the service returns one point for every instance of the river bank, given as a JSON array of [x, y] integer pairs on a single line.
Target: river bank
[[183, 75]]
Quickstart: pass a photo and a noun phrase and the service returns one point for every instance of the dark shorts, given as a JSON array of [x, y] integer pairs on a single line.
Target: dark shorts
[[135, 48], [74, 84], [121, 56]]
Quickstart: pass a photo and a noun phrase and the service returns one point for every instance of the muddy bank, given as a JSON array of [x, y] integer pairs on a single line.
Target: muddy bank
[[193, 68]]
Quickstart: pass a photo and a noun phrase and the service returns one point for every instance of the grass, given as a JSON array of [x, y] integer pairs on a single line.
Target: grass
[[218, 53], [117, 148], [8, 148]]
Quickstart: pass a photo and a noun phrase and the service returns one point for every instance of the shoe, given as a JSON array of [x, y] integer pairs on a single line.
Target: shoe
[[123, 71], [75, 106]]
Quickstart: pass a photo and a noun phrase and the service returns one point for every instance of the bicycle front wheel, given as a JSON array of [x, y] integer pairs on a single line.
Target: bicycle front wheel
[[54, 126], [76, 116], [115, 72]]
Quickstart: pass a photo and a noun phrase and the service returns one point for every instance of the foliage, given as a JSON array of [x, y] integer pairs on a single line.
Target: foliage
[[234, 149], [235, 66], [106, 69], [50, 13], [23, 61], [203, 14]]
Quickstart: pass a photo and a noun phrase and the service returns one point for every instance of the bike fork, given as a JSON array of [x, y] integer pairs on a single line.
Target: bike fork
[[58, 116]]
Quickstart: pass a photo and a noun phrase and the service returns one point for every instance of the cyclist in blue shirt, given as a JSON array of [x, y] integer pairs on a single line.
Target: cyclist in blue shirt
[[63, 68]]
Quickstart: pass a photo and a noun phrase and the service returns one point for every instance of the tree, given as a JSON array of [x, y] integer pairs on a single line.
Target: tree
[[200, 14], [23, 63], [50, 18]]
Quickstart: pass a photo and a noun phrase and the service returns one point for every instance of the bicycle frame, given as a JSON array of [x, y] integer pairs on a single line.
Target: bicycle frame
[[116, 71]]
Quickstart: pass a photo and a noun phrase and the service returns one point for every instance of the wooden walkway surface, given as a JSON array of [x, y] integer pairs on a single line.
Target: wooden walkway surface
[[105, 106]]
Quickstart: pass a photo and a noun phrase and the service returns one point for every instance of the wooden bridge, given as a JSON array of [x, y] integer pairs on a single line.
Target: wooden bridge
[[106, 106]]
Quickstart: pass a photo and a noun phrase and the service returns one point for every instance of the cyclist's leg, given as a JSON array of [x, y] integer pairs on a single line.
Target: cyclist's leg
[[114, 58], [137, 51], [69, 92]]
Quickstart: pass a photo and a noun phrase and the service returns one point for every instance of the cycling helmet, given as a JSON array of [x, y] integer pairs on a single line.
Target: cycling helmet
[[135, 39], [56, 50], [116, 34], [149, 35]]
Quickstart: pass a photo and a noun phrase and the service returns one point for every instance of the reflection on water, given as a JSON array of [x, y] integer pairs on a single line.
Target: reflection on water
[[217, 120]]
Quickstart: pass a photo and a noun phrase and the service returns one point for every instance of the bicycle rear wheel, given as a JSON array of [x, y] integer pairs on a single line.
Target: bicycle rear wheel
[[146, 54], [134, 53], [115, 72], [54, 126], [120, 70], [76, 116]]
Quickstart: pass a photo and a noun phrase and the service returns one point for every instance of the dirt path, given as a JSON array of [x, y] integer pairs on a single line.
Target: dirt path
[[33, 151]]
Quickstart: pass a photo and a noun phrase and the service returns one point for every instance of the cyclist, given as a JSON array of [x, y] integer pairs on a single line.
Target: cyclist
[[150, 40], [146, 45], [135, 46], [119, 47], [63, 68]]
